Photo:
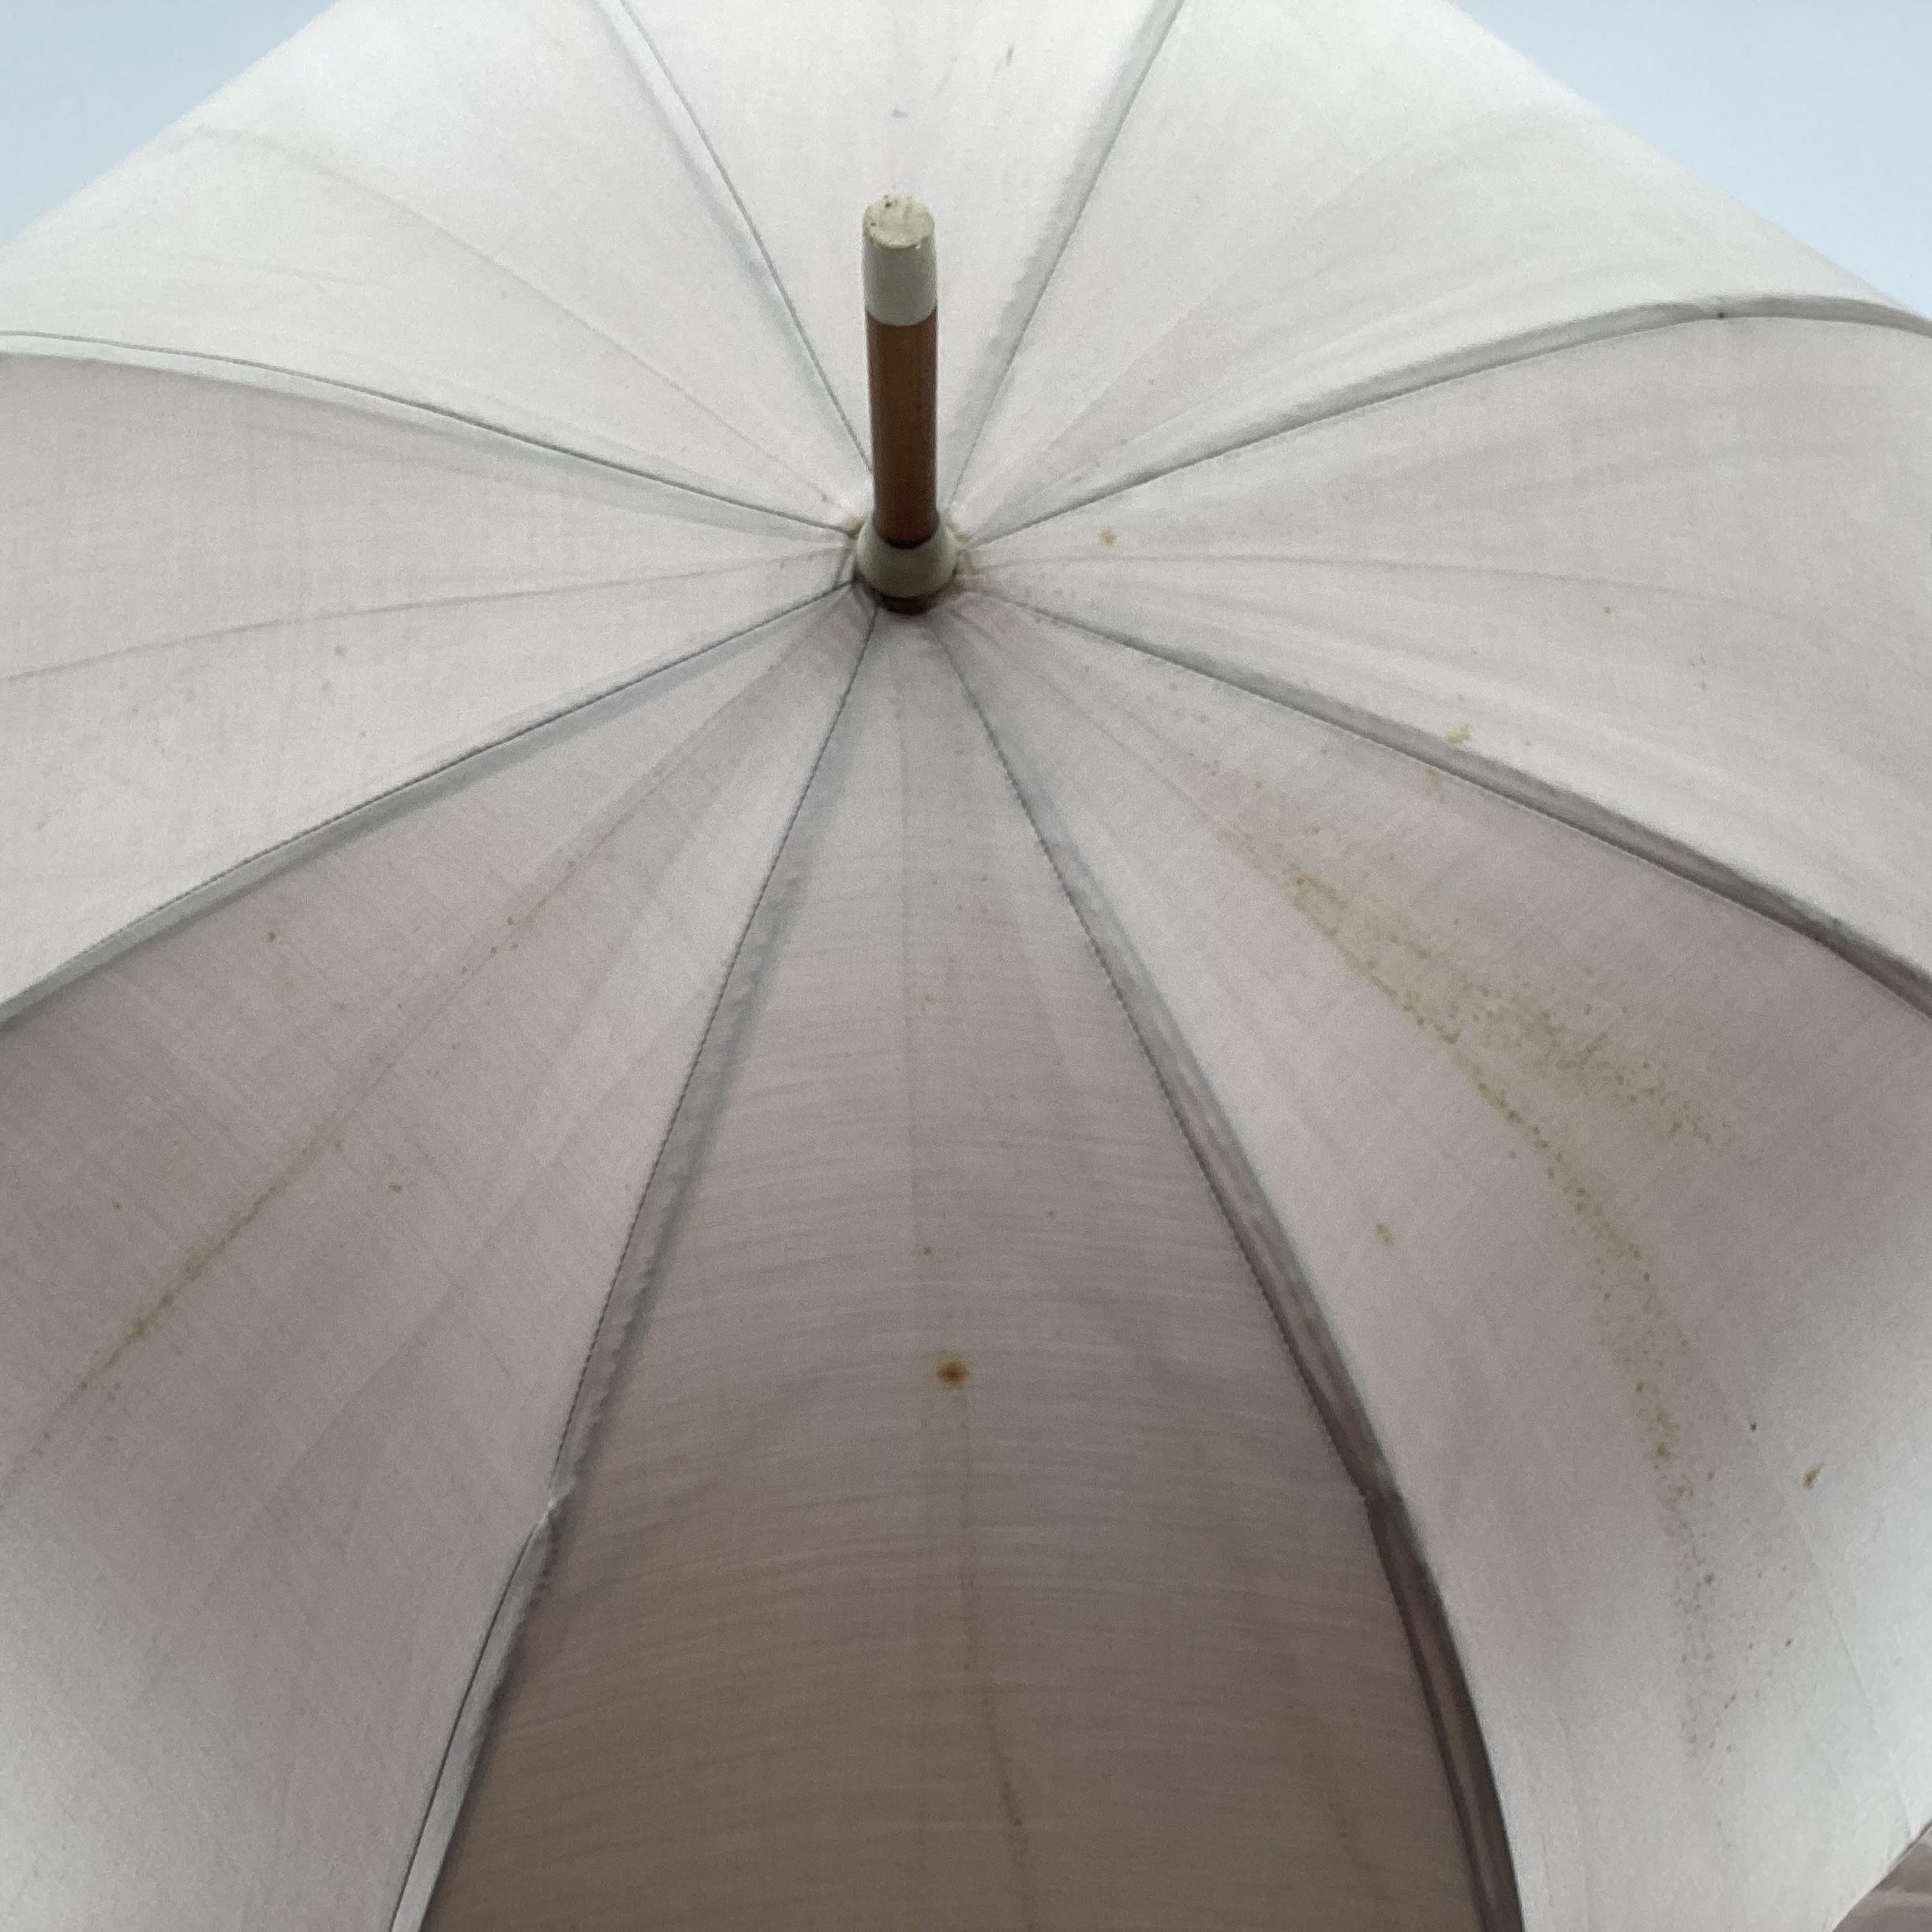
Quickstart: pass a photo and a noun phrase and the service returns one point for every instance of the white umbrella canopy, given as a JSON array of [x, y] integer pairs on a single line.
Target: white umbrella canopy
[[1234, 1232]]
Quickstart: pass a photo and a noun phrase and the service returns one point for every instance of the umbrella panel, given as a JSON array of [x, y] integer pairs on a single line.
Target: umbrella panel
[[1607, 1187], [333, 1179], [292, 607], [906, 1586], [1613, 582]]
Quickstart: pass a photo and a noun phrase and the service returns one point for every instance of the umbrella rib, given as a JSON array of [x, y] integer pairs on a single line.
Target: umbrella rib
[[463, 1747], [744, 215], [1284, 1285], [625, 1314], [215, 367], [1484, 358], [403, 797], [1168, 12], [1908, 981], [686, 1135]]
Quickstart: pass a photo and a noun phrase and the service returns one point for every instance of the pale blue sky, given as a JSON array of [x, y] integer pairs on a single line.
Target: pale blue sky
[[1816, 113]]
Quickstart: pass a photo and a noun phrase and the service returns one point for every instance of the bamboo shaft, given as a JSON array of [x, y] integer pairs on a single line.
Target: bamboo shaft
[[903, 366]]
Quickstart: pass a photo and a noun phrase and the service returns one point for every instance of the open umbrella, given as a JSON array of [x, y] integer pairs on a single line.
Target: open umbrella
[[1232, 1230]]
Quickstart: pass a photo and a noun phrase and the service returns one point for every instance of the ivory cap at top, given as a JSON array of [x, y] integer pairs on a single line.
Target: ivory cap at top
[[901, 266]]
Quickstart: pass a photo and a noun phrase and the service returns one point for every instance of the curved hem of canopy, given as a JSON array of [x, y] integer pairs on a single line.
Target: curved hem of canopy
[[613, 1344], [1310, 1344], [384, 804], [245, 373], [1904, 980], [1484, 358], [1884, 1888]]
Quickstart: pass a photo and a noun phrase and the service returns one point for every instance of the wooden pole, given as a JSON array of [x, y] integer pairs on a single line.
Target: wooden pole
[[905, 552], [904, 365]]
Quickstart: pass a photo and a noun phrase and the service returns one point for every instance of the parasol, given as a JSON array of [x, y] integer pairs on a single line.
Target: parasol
[[1201, 1201]]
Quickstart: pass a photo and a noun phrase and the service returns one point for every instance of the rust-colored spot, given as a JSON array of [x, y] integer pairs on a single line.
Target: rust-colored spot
[[1811, 1475], [952, 1371], [1108, 538], [272, 939]]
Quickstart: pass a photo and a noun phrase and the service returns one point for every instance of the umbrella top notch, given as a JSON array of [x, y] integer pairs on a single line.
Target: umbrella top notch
[[905, 552]]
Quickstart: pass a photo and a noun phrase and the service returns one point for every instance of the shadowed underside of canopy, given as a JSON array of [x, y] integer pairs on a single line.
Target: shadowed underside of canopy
[[1234, 1230]]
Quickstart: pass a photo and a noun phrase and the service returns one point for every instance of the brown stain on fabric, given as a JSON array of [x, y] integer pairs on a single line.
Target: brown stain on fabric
[[196, 1264], [1547, 1055], [410, 1021], [1527, 1065]]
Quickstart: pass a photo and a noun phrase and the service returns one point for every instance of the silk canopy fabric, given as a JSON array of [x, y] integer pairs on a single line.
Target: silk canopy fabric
[[1235, 1231]]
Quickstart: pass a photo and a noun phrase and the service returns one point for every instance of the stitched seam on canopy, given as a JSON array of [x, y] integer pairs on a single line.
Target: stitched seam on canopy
[[678, 1161], [227, 633], [1314, 561], [1900, 977], [1486, 358], [211, 366], [399, 797], [1110, 141], [744, 215], [1309, 1340]]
